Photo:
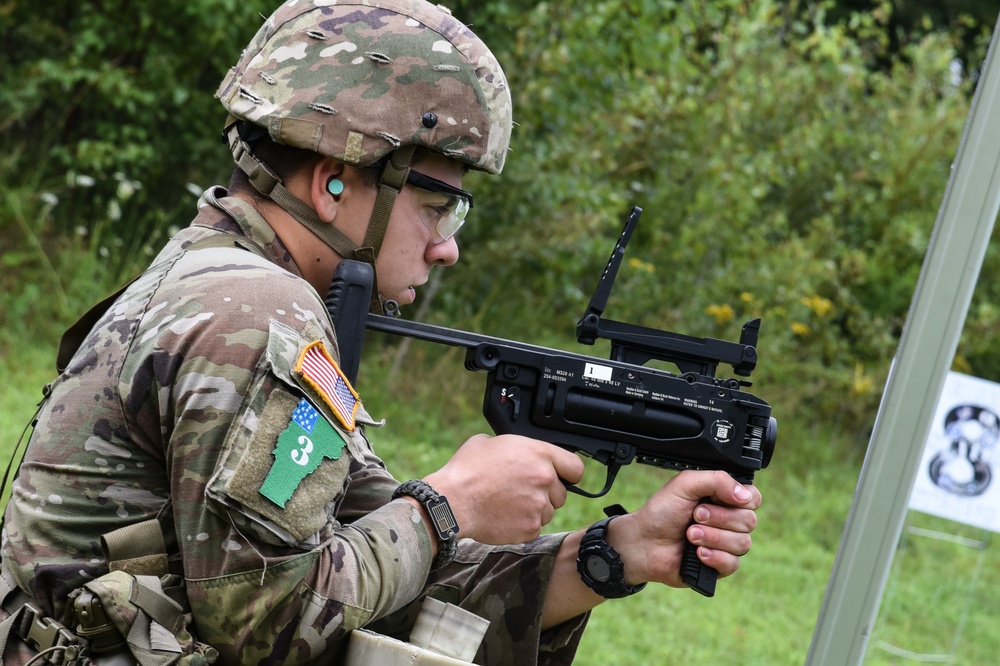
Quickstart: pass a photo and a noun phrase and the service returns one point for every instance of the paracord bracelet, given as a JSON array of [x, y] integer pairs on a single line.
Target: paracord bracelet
[[441, 515]]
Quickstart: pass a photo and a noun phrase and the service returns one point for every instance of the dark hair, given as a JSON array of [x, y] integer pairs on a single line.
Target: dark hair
[[284, 161]]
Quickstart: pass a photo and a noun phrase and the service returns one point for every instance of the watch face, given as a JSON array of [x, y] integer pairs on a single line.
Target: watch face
[[597, 568]]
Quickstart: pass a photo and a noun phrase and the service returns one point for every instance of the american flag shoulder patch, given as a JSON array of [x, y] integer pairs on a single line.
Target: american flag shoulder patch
[[322, 374]]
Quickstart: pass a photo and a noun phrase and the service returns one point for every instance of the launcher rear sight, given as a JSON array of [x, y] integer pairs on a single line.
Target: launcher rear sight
[[638, 345]]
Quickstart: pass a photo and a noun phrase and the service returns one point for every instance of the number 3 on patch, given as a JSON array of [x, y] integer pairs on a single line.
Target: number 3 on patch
[[308, 431], [300, 456]]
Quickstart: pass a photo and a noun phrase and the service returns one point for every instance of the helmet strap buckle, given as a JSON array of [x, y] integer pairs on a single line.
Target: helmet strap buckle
[[261, 180], [398, 167]]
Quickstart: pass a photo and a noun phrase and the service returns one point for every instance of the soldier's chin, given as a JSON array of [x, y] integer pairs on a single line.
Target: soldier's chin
[[406, 296]]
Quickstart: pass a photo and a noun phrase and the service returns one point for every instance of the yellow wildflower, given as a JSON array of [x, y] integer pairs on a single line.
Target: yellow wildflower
[[723, 313], [640, 265], [821, 306], [864, 383], [800, 329]]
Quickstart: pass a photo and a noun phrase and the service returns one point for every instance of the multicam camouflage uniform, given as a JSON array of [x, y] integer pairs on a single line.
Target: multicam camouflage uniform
[[197, 396], [174, 407]]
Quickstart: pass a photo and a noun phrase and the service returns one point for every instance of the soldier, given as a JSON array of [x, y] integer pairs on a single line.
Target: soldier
[[206, 402]]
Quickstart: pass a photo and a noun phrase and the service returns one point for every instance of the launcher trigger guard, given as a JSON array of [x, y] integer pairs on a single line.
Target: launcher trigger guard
[[613, 467]]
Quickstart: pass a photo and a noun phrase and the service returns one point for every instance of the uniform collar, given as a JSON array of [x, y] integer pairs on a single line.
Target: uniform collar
[[251, 224]]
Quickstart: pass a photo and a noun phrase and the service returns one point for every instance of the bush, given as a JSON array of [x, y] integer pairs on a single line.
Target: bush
[[107, 115], [107, 108], [788, 167]]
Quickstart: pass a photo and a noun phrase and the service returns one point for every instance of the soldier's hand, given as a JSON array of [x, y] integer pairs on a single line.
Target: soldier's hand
[[504, 489], [651, 540]]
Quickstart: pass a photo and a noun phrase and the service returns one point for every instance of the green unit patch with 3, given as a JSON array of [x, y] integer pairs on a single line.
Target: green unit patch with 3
[[301, 446]]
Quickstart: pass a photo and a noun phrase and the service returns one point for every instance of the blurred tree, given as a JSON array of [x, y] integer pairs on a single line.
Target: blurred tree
[[908, 21], [107, 105], [790, 166]]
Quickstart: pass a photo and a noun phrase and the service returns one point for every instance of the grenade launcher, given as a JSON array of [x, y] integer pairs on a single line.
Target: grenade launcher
[[616, 411]]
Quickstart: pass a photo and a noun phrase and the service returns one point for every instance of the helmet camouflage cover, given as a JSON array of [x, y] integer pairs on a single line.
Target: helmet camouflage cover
[[356, 80]]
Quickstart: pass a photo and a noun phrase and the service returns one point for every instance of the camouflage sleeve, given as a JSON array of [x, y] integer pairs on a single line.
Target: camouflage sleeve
[[507, 586], [475, 580], [371, 487], [264, 447]]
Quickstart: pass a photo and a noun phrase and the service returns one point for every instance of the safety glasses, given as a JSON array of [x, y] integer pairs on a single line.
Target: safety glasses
[[441, 207]]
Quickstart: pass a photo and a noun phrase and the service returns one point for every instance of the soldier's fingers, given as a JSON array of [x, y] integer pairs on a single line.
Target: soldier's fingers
[[568, 465]]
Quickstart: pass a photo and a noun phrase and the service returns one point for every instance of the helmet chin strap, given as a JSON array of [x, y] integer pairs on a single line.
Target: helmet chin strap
[[267, 183], [394, 175]]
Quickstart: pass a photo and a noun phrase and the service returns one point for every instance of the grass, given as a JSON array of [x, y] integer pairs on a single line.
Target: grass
[[939, 599], [24, 370]]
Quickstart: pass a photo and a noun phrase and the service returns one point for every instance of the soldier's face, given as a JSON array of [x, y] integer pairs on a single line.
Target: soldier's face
[[412, 246]]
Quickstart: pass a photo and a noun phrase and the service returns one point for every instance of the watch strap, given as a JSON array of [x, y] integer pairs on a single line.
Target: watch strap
[[594, 544]]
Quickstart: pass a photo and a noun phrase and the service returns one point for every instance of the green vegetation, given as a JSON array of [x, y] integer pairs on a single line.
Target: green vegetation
[[789, 157]]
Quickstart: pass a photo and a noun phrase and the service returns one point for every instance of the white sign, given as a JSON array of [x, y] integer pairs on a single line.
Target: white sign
[[957, 479]]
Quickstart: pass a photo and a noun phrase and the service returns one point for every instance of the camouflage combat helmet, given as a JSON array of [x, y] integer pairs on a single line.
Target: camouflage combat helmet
[[360, 80]]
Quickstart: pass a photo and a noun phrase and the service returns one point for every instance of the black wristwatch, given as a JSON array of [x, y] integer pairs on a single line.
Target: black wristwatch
[[600, 566], [441, 515]]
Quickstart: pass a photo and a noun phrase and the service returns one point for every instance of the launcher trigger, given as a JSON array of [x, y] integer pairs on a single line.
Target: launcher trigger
[[609, 480], [511, 396]]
